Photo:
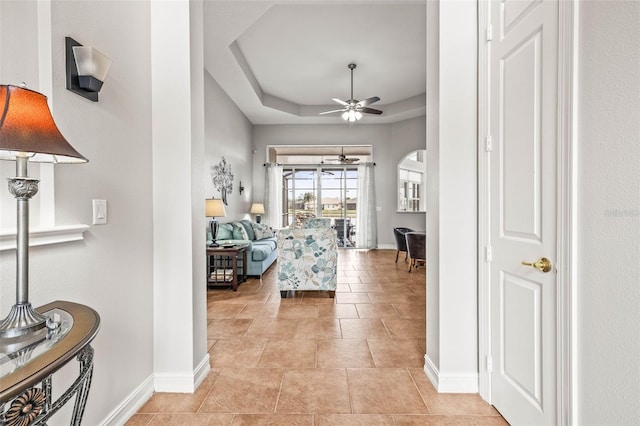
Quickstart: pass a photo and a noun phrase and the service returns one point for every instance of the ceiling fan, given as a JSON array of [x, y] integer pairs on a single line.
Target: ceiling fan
[[343, 159], [354, 108]]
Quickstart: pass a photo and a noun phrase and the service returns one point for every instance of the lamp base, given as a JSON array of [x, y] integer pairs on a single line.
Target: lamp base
[[21, 321]]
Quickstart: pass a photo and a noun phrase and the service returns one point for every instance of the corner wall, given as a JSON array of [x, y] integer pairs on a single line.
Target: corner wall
[[452, 282]]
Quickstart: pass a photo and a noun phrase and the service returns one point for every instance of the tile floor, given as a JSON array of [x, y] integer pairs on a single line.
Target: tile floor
[[315, 361]]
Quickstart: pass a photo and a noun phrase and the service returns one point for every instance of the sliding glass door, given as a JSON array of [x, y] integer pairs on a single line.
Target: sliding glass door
[[323, 191], [300, 194]]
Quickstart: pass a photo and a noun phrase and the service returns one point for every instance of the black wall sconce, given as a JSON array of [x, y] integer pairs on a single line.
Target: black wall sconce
[[240, 188], [86, 69]]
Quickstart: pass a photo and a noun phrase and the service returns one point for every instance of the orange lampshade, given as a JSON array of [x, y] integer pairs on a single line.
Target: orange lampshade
[[26, 126]]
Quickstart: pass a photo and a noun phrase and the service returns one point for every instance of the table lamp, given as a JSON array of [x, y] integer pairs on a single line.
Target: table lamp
[[257, 209], [214, 208], [27, 133]]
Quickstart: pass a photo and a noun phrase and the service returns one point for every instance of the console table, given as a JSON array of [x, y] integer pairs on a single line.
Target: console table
[[26, 374], [222, 265]]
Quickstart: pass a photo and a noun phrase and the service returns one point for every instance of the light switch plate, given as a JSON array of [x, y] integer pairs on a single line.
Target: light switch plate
[[99, 212]]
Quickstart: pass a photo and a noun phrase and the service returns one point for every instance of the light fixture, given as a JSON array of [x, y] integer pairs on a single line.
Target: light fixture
[[27, 133], [214, 208], [86, 69], [351, 115], [241, 188], [257, 209]]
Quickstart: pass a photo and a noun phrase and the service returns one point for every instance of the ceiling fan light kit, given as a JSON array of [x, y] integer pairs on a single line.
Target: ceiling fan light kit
[[353, 108]]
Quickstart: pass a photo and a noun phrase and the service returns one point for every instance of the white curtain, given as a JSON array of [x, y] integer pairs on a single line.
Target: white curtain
[[273, 195], [367, 231]]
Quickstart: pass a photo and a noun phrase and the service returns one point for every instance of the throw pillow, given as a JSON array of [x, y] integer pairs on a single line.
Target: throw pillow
[[225, 231], [261, 231], [239, 233], [249, 228]]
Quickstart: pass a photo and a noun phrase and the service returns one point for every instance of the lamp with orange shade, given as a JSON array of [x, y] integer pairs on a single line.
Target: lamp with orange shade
[[27, 133]]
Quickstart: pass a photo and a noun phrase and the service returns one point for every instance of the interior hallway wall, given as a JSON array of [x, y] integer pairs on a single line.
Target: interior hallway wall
[[111, 270], [609, 213]]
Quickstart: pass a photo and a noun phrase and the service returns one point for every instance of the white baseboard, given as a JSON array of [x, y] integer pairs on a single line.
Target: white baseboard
[[386, 246], [202, 371], [450, 383], [182, 383], [123, 412], [159, 383]]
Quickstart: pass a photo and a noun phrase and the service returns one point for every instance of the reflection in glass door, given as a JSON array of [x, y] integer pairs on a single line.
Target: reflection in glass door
[[301, 195], [323, 192]]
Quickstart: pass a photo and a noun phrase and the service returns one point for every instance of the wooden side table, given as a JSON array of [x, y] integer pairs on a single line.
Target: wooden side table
[[222, 265], [25, 374]]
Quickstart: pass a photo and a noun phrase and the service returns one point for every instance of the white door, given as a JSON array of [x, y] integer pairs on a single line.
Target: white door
[[523, 79]]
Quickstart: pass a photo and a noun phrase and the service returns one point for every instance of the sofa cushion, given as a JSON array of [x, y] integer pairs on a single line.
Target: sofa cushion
[[261, 231], [239, 233], [270, 242], [225, 232], [247, 224], [260, 252]]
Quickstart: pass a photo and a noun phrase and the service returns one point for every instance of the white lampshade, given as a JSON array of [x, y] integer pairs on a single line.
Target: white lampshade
[[257, 208], [91, 62], [214, 208]]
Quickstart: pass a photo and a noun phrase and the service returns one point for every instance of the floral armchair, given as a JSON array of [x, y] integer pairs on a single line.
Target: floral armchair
[[316, 222], [307, 260]]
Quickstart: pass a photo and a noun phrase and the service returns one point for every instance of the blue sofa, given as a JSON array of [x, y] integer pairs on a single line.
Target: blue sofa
[[262, 250]]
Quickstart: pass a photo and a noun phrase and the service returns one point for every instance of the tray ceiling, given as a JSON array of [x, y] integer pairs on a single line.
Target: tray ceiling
[[283, 62]]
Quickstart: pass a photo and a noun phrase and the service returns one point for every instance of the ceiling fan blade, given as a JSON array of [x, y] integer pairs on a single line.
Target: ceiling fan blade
[[370, 110], [332, 111], [368, 101], [340, 101]]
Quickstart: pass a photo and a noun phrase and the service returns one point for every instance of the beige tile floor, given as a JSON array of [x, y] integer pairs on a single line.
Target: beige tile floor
[[315, 361]]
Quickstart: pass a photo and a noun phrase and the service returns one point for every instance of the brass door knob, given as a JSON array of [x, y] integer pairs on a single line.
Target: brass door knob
[[543, 265]]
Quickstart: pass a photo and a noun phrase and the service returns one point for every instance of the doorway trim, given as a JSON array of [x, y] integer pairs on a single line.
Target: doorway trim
[[567, 344]]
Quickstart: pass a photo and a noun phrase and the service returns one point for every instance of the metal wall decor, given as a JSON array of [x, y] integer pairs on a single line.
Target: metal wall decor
[[223, 179]]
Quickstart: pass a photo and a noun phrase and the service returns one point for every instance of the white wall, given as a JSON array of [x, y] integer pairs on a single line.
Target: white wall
[[452, 348], [390, 143], [228, 134], [180, 356], [609, 213], [111, 270]]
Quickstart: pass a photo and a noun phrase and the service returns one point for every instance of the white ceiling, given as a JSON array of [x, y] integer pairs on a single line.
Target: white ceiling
[[282, 62]]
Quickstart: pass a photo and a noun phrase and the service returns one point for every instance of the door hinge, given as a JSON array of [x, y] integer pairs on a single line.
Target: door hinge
[[488, 144], [489, 364], [488, 254], [490, 32]]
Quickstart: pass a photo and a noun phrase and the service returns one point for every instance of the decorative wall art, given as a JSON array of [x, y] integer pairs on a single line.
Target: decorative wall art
[[223, 179]]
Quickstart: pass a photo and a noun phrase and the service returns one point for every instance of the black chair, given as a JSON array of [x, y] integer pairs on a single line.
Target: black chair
[[416, 248], [343, 231], [401, 242]]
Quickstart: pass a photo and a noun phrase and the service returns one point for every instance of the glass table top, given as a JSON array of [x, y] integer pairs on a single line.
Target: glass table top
[[22, 351]]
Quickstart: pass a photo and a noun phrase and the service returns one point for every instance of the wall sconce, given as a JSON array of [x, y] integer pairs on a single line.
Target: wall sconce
[[241, 188], [86, 69]]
